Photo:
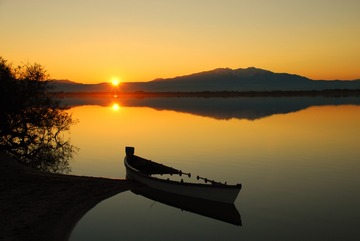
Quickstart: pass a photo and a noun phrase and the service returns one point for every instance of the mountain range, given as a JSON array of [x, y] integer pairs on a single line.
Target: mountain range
[[222, 79]]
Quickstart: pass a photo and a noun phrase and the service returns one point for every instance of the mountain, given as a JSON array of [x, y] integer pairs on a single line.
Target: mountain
[[222, 79], [70, 86]]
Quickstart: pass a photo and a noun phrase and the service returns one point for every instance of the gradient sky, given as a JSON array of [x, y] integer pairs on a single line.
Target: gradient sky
[[92, 41]]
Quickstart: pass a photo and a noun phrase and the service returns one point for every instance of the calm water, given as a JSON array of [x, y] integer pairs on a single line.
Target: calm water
[[298, 163]]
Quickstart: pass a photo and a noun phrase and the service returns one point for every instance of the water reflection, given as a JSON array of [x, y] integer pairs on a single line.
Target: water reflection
[[301, 172], [250, 108], [36, 140], [215, 210]]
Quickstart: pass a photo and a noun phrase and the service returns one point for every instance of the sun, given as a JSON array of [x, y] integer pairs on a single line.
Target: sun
[[115, 107], [115, 82]]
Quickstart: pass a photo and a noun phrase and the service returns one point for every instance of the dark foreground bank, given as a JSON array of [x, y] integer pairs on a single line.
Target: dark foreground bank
[[40, 206]]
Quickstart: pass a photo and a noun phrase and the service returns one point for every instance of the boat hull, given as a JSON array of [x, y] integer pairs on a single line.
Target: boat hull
[[218, 193]]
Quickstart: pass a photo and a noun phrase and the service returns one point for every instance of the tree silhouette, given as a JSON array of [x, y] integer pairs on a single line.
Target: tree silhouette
[[34, 127]]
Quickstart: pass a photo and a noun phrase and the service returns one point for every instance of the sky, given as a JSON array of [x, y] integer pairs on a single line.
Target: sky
[[93, 41]]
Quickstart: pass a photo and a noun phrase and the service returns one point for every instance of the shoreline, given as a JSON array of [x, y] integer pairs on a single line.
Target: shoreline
[[37, 205]]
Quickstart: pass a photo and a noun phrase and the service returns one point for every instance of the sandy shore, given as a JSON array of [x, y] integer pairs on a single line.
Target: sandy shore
[[40, 206]]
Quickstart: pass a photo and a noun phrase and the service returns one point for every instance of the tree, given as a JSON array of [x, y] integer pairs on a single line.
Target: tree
[[34, 126]]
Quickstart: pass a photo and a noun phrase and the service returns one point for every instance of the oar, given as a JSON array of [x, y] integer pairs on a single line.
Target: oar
[[188, 174], [207, 180]]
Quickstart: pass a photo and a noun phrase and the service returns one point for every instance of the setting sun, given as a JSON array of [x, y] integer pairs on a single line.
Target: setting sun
[[115, 107], [115, 82]]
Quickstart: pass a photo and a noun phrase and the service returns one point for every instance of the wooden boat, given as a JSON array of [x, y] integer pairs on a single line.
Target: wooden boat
[[142, 170]]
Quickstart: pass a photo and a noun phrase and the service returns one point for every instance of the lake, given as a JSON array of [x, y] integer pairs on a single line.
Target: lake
[[296, 157]]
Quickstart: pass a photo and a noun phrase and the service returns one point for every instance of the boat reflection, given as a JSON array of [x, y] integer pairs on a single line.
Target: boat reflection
[[220, 211]]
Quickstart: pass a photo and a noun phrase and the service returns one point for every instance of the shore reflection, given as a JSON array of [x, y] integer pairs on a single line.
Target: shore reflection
[[250, 108]]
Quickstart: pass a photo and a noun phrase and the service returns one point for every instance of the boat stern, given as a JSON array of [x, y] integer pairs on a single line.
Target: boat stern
[[129, 150]]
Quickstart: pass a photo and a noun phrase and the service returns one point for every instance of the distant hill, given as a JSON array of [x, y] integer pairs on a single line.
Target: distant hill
[[223, 79], [70, 86]]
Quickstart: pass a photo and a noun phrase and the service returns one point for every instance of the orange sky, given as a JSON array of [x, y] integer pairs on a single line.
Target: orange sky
[[93, 41]]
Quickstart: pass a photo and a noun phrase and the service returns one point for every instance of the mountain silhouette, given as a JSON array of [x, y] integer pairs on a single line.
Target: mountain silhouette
[[70, 86], [222, 79]]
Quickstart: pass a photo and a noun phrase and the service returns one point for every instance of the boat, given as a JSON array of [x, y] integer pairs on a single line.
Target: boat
[[146, 172]]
